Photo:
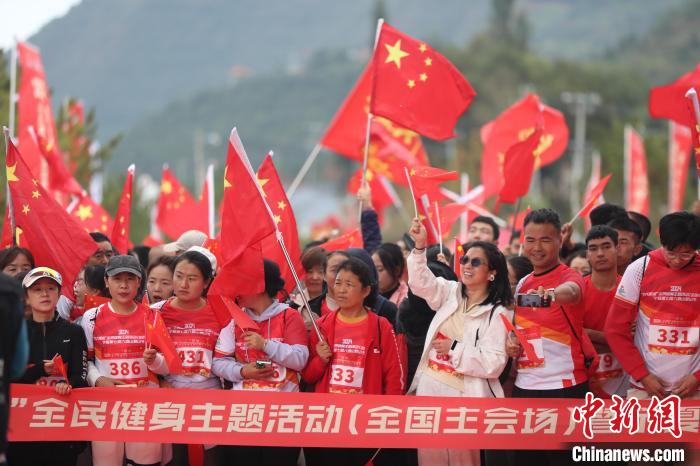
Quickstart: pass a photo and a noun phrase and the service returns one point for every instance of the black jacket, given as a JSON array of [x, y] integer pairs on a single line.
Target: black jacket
[[11, 330], [57, 336]]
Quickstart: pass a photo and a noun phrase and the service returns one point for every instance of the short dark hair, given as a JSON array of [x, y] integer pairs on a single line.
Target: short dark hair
[[545, 215], [95, 279], [601, 231], [679, 228], [339, 252], [626, 224], [604, 213], [521, 266], [200, 261], [274, 283], [364, 274], [10, 254], [99, 237], [643, 222], [577, 253], [489, 221], [141, 252], [167, 261], [313, 257], [391, 257]]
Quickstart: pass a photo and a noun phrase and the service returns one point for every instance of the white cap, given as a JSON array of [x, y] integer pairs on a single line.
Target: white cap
[[185, 241], [206, 253]]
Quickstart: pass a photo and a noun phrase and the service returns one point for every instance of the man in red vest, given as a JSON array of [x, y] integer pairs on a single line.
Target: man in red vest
[[661, 293]]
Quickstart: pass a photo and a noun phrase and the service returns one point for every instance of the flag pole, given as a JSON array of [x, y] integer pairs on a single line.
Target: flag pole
[[210, 201], [515, 216], [380, 22], [670, 166], [280, 240], [693, 96], [410, 187], [425, 201], [13, 88], [439, 224], [310, 159], [464, 218], [10, 207]]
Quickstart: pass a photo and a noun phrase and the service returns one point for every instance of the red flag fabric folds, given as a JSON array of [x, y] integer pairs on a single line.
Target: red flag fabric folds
[[668, 101], [416, 87], [177, 209], [679, 147], [270, 183], [91, 215], [157, 335], [122, 219], [636, 178], [352, 239], [57, 241], [241, 270], [515, 124], [518, 167], [593, 196]]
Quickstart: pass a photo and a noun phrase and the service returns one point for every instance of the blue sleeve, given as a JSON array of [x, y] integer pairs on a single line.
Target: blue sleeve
[[21, 356], [371, 233]]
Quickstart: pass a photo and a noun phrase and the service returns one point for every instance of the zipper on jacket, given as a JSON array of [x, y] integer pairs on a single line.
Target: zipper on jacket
[[43, 340]]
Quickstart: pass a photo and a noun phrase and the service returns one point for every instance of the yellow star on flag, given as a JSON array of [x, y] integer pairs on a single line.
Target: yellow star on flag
[[422, 48], [428, 61], [411, 83], [123, 232], [121, 219], [166, 187], [25, 209], [84, 212], [413, 172], [226, 182], [423, 77], [36, 194], [395, 54], [262, 183], [281, 205], [10, 172], [278, 219]]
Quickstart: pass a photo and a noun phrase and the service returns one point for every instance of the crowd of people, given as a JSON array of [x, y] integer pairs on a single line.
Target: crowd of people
[[611, 315]]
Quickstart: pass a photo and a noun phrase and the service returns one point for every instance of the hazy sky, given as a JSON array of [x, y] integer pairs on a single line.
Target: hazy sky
[[22, 18]]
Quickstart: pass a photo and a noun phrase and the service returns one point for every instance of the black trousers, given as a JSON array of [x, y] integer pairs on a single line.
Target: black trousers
[[234, 455], [43, 453], [548, 457]]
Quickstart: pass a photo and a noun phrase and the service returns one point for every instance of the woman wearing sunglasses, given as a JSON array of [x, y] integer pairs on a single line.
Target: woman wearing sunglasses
[[464, 351], [49, 337]]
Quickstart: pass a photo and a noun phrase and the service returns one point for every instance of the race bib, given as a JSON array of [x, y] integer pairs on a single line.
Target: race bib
[[673, 334], [534, 336], [195, 360], [279, 377], [609, 367], [124, 369], [346, 379], [49, 381]]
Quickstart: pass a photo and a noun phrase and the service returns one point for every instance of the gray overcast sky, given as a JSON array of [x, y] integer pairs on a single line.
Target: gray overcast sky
[[22, 18]]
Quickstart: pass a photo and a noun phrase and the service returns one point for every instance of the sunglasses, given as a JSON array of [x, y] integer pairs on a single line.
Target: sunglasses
[[475, 262]]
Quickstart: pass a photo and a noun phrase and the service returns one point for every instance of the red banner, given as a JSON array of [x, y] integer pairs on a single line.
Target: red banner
[[679, 145], [310, 419], [636, 177]]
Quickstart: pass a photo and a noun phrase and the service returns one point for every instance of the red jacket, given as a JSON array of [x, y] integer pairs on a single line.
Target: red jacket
[[384, 374]]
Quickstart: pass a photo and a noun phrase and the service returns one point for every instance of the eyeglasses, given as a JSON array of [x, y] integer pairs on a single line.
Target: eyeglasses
[[475, 262], [684, 256]]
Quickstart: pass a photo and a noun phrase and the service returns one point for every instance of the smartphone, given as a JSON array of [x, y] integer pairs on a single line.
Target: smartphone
[[532, 300], [263, 364]]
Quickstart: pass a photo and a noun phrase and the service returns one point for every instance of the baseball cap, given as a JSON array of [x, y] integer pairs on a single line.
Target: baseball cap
[[185, 241], [41, 272], [206, 253], [124, 263]]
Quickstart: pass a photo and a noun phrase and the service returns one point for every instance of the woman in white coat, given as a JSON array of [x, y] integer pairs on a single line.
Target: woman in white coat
[[464, 350]]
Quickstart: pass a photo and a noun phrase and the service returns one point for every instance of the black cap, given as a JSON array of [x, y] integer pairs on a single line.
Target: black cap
[[125, 263]]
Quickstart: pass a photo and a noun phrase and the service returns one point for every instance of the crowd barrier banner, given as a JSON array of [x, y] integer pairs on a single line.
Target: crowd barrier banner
[[321, 420]]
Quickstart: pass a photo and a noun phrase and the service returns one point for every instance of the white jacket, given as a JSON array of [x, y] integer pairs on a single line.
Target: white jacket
[[480, 360]]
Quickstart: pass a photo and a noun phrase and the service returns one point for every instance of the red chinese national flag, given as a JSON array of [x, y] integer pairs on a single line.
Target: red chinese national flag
[[391, 146], [245, 223], [679, 147], [518, 167], [668, 101], [122, 219], [593, 196], [157, 335], [352, 239], [695, 131], [458, 253], [636, 178], [90, 215], [449, 213], [34, 110], [382, 196], [427, 180], [178, 211], [60, 178], [416, 87], [60, 367], [516, 124], [6, 236], [57, 240], [269, 181]]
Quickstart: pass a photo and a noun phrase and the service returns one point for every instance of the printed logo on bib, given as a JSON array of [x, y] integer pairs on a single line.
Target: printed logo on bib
[[442, 362], [534, 336], [608, 368], [673, 334]]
